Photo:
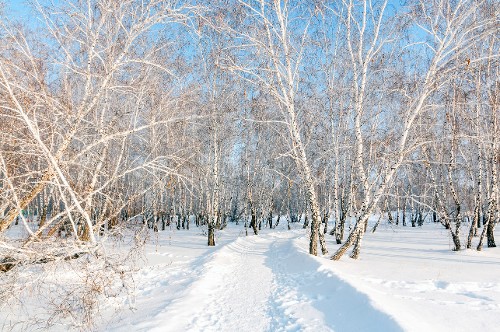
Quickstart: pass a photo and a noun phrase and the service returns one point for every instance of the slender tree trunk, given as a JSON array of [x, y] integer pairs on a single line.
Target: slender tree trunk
[[492, 211], [211, 234], [404, 212], [253, 222], [490, 234]]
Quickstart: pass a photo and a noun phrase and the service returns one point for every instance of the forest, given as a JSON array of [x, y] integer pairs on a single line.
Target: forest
[[120, 119]]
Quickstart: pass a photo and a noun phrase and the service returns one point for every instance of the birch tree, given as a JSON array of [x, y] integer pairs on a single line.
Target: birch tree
[[273, 37], [451, 29]]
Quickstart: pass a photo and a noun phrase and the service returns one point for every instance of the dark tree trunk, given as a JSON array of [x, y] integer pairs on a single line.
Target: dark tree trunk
[[490, 234], [456, 241], [473, 227], [389, 214], [404, 212], [155, 224], [325, 221], [339, 233], [211, 234], [420, 220], [253, 223]]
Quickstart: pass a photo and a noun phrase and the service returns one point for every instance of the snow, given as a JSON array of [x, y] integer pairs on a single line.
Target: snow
[[412, 274], [255, 283], [407, 279]]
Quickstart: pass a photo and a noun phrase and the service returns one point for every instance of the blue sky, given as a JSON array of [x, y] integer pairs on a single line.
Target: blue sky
[[16, 8]]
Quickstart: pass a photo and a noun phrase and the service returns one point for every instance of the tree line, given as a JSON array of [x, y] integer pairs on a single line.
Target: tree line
[[249, 111]]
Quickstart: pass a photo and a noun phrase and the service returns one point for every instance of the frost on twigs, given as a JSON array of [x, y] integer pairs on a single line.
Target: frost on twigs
[[68, 283]]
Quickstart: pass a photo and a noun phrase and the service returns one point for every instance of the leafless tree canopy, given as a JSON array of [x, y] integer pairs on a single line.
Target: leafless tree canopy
[[118, 114]]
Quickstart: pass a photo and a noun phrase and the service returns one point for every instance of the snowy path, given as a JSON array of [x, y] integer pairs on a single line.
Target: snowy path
[[258, 283], [308, 297], [407, 279], [234, 288]]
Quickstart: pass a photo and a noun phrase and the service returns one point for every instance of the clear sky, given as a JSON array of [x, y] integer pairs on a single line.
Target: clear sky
[[16, 8]]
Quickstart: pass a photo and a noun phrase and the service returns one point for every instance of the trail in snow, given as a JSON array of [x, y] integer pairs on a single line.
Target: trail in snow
[[259, 283], [406, 279], [233, 289]]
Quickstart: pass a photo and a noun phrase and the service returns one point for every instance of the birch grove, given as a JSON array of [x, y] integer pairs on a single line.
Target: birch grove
[[127, 115], [104, 115]]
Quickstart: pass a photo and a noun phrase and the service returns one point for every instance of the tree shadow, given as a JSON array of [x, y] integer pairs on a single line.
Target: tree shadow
[[304, 292]]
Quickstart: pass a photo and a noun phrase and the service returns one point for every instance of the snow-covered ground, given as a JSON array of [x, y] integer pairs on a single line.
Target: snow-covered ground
[[406, 279]]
